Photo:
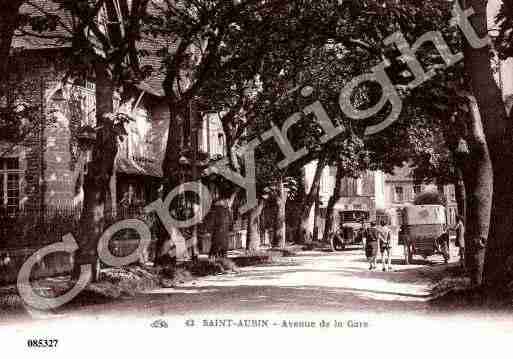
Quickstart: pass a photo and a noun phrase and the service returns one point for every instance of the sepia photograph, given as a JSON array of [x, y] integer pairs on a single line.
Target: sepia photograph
[[240, 178]]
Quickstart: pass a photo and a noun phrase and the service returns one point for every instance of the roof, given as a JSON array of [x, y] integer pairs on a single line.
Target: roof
[[152, 46], [61, 38]]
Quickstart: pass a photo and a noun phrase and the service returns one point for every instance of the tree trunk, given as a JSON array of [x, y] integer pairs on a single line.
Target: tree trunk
[[279, 224], [170, 165], [330, 225], [498, 137], [253, 230], [304, 230], [295, 204], [97, 179], [479, 191], [229, 135], [91, 225]]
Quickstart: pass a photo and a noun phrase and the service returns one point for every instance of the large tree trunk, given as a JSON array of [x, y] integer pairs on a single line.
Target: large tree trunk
[[330, 225], [253, 229], [97, 179], [479, 190], [229, 134], [304, 230], [91, 225], [170, 165], [294, 205], [279, 224], [498, 136]]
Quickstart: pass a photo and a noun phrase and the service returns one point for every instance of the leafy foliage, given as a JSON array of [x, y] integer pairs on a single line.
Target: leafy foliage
[[249, 59], [504, 42], [18, 120]]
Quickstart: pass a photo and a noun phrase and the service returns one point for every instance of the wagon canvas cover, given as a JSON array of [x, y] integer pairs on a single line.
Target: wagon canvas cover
[[426, 214]]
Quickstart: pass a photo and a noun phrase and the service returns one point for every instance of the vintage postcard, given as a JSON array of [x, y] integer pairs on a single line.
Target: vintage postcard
[[256, 177]]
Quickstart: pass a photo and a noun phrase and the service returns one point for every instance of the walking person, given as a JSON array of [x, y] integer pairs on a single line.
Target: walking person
[[371, 244], [386, 246]]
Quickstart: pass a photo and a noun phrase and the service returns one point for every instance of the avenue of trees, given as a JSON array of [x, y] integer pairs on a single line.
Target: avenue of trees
[[251, 61]]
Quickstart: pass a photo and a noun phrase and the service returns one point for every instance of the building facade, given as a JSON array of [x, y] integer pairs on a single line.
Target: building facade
[[382, 195], [45, 170]]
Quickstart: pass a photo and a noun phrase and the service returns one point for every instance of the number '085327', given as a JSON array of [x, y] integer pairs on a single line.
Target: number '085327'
[[42, 343]]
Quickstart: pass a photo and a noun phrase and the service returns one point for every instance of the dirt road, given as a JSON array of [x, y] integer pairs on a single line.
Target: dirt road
[[310, 282]]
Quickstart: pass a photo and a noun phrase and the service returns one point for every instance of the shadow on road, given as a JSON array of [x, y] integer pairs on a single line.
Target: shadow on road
[[311, 283], [210, 299]]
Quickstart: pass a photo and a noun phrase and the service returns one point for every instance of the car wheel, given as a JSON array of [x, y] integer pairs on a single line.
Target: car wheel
[[338, 246]]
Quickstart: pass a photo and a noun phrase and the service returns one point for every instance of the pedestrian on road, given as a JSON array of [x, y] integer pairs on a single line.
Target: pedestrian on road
[[460, 238], [386, 246], [372, 236]]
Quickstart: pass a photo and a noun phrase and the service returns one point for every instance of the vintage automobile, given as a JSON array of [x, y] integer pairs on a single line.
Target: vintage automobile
[[423, 231], [349, 228]]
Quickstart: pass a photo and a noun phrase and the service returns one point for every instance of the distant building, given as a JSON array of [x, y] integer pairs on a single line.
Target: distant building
[[382, 195], [46, 169], [401, 189]]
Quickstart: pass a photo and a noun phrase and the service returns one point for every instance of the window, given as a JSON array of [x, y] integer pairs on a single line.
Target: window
[[359, 187], [220, 149], [452, 193], [84, 102], [417, 189], [9, 184], [351, 187], [325, 181], [353, 215], [452, 216], [400, 217], [398, 194], [215, 142]]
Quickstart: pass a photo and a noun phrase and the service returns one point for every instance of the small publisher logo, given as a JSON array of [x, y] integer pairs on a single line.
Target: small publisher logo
[[189, 323], [159, 323]]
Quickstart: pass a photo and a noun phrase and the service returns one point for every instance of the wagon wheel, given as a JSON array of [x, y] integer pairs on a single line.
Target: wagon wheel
[[338, 245]]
